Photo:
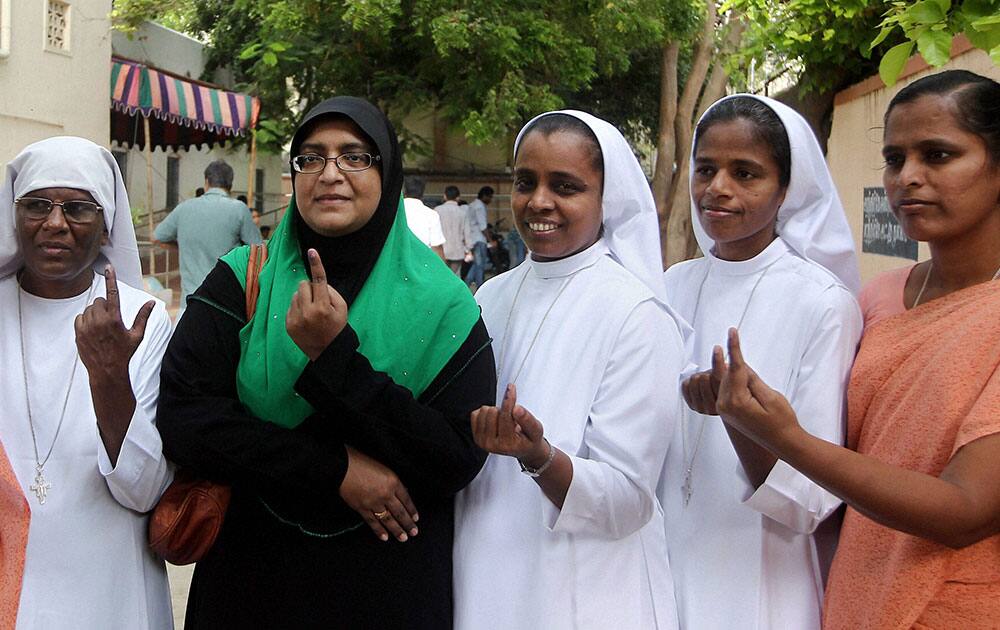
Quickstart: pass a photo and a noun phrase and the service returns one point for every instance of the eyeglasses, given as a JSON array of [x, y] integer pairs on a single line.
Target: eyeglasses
[[347, 162], [76, 210]]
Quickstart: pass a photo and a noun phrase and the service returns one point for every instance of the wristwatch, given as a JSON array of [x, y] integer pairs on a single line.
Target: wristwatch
[[535, 472]]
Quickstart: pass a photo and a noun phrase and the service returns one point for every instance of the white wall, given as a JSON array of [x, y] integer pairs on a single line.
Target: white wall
[[45, 93], [166, 49]]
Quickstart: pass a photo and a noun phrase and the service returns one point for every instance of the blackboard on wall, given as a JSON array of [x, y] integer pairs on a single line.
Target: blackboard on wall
[[881, 233]]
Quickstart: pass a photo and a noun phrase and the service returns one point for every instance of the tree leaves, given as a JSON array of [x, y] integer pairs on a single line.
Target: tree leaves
[[925, 12], [893, 61], [931, 25], [935, 47]]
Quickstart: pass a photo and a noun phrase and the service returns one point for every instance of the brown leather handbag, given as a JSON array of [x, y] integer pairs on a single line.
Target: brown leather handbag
[[189, 515]]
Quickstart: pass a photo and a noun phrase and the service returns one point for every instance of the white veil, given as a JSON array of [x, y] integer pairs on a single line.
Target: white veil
[[631, 228], [71, 162], [811, 219]]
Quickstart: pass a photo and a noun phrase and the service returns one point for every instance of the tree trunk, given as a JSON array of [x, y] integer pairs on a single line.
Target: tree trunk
[[719, 77], [815, 107], [663, 172], [679, 233]]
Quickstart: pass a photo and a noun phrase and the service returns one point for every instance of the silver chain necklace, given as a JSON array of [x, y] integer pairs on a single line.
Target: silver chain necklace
[[923, 287], [41, 487], [688, 489], [510, 313]]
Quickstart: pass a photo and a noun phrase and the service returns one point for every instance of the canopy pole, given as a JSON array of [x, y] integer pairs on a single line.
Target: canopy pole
[[149, 194], [251, 180]]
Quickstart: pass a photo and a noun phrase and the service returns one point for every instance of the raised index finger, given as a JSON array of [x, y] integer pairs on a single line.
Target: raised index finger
[[111, 286], [316, 270], [735, 353], [509, 400]]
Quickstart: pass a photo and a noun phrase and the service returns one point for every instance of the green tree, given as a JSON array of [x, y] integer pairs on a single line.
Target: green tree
[[484, 66], [929, 27], [826, 45]]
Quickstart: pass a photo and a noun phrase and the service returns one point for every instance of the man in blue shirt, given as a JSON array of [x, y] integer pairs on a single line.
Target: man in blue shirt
[[207, 227]]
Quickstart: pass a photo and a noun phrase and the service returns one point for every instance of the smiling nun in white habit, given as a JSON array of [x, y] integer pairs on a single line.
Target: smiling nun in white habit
[[562, 529], [779, 266], [79, 376]]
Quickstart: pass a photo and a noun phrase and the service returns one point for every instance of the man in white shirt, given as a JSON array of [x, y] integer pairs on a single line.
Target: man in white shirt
[[477, 236], [455, 224], [423, 221]]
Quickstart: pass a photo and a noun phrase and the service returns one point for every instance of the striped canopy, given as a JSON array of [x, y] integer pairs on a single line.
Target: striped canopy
[[189, 112]]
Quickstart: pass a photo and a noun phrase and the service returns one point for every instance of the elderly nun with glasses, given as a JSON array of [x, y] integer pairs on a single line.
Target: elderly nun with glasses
[[81, 461], [338, 412]]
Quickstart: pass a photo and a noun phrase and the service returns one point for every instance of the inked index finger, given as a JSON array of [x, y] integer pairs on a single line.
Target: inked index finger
[[509, 400], [719, 368], [111, 287], [735, 352], [316, 270]]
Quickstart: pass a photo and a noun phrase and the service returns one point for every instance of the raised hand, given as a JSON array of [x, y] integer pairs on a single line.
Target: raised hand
[[317, 313], [377, 494], [510, 430], [745, 401], [104, 344]]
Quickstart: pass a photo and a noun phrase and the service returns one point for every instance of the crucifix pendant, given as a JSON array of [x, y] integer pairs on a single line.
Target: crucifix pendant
[[686, 488], [40, 487]]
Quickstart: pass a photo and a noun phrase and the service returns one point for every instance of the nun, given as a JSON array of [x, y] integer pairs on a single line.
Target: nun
[[779, 266], [562, 528], [80, 352]]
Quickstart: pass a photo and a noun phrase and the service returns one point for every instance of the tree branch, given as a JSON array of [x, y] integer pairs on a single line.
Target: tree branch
[[663, 172], [678, 233], [719, 77]]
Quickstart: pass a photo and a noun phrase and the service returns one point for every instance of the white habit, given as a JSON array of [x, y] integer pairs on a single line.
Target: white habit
[[743, 558], [601, 379], [88, 563], [595, 354]]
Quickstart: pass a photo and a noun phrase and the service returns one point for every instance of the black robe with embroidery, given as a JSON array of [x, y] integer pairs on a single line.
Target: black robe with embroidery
[[291, 553]]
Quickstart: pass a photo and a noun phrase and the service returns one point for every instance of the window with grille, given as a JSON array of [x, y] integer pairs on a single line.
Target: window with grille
[[173, 181], [57, 24]]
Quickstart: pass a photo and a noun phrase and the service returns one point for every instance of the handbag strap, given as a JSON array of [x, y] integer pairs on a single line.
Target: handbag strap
[[258, 256]]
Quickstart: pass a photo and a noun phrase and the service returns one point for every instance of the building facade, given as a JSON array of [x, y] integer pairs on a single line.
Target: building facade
[[54, 71]]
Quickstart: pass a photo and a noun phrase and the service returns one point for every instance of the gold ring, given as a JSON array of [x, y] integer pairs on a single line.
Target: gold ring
[[381, 515]]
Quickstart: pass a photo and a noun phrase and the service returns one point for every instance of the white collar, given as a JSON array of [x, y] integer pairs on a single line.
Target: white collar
[[570, 264], [761, 261]]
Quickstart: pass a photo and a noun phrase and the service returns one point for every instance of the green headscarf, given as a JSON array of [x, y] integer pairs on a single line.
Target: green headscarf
[[411, 313]]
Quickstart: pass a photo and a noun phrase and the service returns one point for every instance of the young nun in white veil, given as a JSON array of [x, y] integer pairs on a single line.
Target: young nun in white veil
[[780, 266], [562, 529]]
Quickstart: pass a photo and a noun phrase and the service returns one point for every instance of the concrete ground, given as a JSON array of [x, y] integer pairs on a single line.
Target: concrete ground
[[180, 579]]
